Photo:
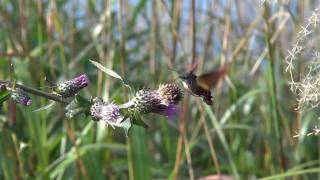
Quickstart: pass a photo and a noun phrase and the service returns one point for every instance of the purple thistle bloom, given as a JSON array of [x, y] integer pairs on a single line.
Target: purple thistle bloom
[[170, 111], [81, 81], [108, 113], [162, 101], [20, 97], [72, 87]]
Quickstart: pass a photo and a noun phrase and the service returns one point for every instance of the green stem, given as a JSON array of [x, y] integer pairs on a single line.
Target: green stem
[[37, 92], [273, 90]]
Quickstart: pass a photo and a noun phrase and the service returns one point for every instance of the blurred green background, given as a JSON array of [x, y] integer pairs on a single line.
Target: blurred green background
[[247, 133]]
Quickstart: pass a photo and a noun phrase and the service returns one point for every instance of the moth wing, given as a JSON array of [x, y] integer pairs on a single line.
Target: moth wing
[[209, 80]]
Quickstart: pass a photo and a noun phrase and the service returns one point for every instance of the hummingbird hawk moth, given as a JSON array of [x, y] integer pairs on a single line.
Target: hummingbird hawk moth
[[200, 85]]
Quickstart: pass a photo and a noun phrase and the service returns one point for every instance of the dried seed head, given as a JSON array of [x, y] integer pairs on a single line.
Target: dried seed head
[[21, 97], [72, 87], [170, 93], [108, 113]]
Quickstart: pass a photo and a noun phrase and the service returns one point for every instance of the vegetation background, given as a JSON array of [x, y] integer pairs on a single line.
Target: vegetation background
[[252, 130]]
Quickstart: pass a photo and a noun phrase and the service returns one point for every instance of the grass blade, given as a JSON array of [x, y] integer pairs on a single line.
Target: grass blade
[[223, 140], [138, 154], [292, 173], [233, 107]]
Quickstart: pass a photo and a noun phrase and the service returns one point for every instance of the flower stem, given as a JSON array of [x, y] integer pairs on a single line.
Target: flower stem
[[38, 92]]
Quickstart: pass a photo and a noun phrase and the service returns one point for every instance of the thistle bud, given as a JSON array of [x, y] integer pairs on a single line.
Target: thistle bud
[[72, 87], [19, 96], [170, 93], [108, 113], [3, 87]]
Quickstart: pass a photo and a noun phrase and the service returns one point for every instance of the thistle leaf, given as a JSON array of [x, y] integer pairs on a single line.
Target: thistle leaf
[[110, 73], [4, 95], [138, 121], [126, 125], [45, 107], [106, 70]]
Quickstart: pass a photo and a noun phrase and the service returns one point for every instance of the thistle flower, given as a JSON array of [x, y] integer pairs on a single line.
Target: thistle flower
[[170, 111], [108, 113], [162, 101], [19, 96], [147, 101], [72, 87], [170, 93]]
